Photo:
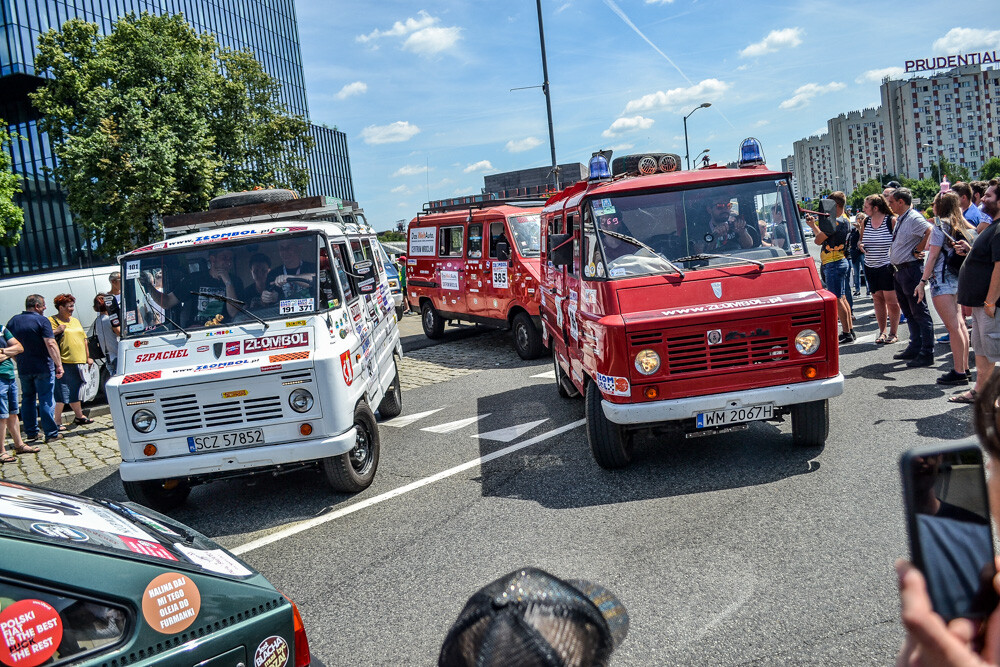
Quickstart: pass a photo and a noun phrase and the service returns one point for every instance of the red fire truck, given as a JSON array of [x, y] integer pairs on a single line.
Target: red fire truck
[[475, 259], [686, 301]]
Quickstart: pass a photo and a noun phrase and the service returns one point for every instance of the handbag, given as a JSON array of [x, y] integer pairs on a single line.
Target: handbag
[[94, 349], [952, 259]]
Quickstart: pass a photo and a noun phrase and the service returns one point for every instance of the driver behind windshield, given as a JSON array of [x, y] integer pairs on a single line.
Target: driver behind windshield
[[292, 265], [724, 230], [202, 310], [259, 292]]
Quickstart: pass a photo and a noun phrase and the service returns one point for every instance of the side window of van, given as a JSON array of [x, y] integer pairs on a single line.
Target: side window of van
[[370, 253], [496, 235], [450, 244], [571, 228], [329, 293], [475, 240], [340, 265]]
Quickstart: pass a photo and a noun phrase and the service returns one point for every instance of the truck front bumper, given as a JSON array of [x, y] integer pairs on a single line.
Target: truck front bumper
[[234, 460], [686, 408]]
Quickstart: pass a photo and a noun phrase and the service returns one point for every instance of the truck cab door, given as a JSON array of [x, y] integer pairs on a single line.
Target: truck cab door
[[498, 271], [476, 271], [451, 273], [571, 288]]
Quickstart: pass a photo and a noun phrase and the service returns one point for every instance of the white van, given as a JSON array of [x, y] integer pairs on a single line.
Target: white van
[[255, 347], [84, 284]]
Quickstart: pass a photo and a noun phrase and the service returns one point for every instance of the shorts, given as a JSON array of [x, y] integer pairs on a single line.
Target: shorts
[[985, 336], [834, 273], [69, 385], [949, 285], [879, 278], [8, 398]]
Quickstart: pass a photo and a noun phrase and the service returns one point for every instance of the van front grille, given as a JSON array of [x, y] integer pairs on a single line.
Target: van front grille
[[185, 413]]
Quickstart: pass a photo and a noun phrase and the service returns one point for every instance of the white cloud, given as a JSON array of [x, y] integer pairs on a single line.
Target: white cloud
[[482, 165], [392, 133], [775, 40], [422, 35], [804, 94], [351, 89], [704, 91], [410, 170], [623, 125], [621, 148], [819, 132], [400, 28], [521, 145], [659, 2], [401, 190], [966, 40], [876, 75], [762, 122]]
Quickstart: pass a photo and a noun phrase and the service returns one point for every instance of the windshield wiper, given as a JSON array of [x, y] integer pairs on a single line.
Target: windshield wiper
[[637, 242], [706, 255], [235, 302]]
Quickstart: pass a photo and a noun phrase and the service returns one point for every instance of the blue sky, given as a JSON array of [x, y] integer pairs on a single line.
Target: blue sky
[[422, 90]]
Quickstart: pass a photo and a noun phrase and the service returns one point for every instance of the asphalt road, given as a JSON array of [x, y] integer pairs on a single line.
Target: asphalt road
[[726, 550]]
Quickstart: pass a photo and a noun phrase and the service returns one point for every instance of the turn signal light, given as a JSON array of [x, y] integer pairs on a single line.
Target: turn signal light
[[651, 392], [306, 429], [809, 372], [149, 450]]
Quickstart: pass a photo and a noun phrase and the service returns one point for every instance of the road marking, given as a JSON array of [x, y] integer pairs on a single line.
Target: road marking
[[509, 433], [864, 313], [870, 338], [400, 422], [388, 495], [547, 375], [454, 426]]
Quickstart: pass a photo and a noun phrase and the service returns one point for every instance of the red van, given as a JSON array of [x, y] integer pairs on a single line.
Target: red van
[[476, 260], [678, 300]]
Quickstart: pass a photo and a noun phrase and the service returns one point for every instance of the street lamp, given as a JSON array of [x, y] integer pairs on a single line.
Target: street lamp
[[687, 156], [704, 152]]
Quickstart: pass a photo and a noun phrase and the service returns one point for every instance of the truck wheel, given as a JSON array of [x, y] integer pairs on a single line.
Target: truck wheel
[[610, 443], [354, 471], [433, 324], [160, 494], [810, 423], [527, 338], [392, 402], [562, 382]]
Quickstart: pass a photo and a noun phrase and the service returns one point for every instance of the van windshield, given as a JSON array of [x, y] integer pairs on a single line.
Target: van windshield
[[196, 287], [527, 230], [755, 220]]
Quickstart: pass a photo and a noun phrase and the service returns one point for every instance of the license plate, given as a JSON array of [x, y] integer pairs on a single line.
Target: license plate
[[734, 415], [208, 443]]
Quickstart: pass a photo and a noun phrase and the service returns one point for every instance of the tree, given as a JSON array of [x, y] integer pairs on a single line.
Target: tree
[[11, 215], [870, 187], [990, 169], [155, 119], [953, 171]]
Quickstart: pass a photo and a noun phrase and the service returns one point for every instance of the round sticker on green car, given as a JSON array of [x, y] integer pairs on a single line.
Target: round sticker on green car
[[30, 633], [272, 652]]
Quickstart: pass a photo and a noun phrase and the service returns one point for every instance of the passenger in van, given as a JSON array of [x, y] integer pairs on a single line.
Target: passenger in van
[[202, 310], [292, 265], [723, 229], [260, 292]]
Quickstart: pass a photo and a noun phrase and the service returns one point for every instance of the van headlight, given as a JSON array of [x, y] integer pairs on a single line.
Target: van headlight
[[300, 400], [807, 341], [647, 362], [144, 421]]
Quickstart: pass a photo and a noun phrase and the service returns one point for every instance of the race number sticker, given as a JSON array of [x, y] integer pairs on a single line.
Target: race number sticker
[[30, 633], [132, 269], [292, 306], [272, 652], [500, 280], [449, 280], [171, 603]]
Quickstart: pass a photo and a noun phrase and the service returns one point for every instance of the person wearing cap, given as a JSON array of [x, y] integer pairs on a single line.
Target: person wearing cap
[[531, 618], [724, 230]]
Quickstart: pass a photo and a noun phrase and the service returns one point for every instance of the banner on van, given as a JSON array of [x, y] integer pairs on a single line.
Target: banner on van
[[423, 241]]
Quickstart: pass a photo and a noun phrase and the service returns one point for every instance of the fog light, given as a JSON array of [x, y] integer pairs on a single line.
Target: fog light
[[306, 429], [300, 400], [647, 362], [809, 372], [651, 392], [144, 421], [149, 450]]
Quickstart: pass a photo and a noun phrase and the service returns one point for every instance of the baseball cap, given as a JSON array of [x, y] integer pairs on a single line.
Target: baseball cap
[[534, 619]]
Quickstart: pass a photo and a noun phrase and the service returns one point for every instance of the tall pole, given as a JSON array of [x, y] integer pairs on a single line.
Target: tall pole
[[687, 152], [548, 101]]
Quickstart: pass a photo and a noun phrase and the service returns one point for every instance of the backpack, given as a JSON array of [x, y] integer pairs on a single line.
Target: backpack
[[952, 260]]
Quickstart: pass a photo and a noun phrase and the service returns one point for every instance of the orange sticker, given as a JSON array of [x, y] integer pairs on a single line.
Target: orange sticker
[[30, 632], [171, 603]]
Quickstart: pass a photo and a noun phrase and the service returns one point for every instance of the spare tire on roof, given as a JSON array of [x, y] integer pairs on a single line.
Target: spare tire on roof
[[251, 197]]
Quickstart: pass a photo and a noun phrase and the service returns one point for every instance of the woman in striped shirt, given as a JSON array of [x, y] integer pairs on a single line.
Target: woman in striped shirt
[[876, 237]]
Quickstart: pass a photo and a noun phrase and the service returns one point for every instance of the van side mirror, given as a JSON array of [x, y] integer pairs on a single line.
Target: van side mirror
[[503, 251], [560, 249], [827, 223], [366, 277]]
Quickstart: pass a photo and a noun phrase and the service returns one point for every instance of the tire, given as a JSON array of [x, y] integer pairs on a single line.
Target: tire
[[251, 197], [431, 321], [160, 494], [562, 380], [610, 443], [810, 423], [354, 471], [527, 337], [392, 402]]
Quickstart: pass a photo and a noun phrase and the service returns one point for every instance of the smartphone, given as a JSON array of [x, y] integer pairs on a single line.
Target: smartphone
[[948, 520]]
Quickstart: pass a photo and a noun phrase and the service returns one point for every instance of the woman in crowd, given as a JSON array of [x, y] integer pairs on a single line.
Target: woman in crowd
[[876, 237], [943, 280], [73, 350]]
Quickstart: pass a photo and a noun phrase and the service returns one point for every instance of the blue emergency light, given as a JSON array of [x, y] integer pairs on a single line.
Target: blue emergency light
[[599, 169], [751, 153]]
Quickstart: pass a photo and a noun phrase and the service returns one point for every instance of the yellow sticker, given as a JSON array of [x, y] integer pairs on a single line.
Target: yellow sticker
[[234, 394], [171, 603], [296, 323]]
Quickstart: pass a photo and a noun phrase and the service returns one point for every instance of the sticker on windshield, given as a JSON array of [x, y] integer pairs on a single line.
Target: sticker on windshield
[[215, 560], [292, 306], [131, 269], [31, 631], [34, 506], [796, 247], [617, 272], [603, 207], [133, 328], [171, 603], [146, 548], [130, 317]]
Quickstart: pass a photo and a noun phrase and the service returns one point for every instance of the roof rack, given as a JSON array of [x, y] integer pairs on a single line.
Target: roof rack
[[306, 208], [479, 202]]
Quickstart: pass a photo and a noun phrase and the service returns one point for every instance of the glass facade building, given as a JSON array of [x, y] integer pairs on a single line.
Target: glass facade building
[[50, 240]]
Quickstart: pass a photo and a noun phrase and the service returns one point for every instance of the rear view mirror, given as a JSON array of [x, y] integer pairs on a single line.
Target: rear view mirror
[[366, 277], [560, 249], [503, 251]]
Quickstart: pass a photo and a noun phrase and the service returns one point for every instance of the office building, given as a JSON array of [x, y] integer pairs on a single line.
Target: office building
[[50, 240]]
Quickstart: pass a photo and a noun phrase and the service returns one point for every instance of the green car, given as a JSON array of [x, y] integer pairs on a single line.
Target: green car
[[93, 582]]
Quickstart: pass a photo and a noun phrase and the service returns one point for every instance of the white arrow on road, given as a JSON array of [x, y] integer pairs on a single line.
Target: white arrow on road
[[406, 420], [509, 433], [454, 426]]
